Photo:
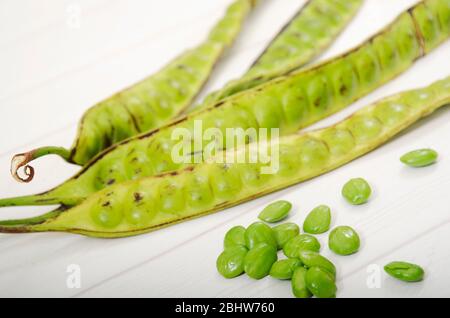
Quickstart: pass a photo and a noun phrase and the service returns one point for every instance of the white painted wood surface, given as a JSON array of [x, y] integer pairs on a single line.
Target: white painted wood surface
[[54, 65]]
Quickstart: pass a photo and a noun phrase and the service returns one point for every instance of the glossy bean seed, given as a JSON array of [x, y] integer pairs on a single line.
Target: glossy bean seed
[[318, 221], [357, 191], [302, 242], [235, 237], [259, 260], [320, 283], [314, 259], [285, 232], [259, 232], [344, 240], [420, 158], [298, 283], [284, 269], [275, 212], [406, 272], [230, 263]]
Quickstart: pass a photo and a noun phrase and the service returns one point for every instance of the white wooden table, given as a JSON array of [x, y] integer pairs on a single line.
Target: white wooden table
[[60, 57]]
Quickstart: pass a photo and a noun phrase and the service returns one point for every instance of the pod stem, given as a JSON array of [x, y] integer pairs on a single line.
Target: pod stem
[[43, 199], [29, 225], [21, 161]]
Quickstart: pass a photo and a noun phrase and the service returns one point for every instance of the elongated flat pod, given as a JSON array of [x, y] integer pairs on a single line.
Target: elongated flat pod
[[308, 34], [146, 107], [147, 204], [289, 104], [149, 104]]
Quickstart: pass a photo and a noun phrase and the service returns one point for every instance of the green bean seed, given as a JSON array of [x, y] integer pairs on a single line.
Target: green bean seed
[[284, 269], [299, 288], [344, 240], [230, 263], [420, 158], [357, 191], [302, 242], [318, 221], [285, 232], [259, 260], [320, 283], [314, 259], [275, 212], [259, 232], [235, 237], [406, 272]]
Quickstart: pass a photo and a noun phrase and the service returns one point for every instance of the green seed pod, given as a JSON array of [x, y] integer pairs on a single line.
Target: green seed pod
[[230, 263], [140, 206], [258, 233], [285, 232], [302, 242], [159, 99], [313, 90], [420, 158], [149, 104], [298, 282], [235, 237], [320, 283], [314, 259], [284, 269], [406, 272], [275, 212], [344, 240], [318, 220], [302, 39], [259, 260], [357, 191]]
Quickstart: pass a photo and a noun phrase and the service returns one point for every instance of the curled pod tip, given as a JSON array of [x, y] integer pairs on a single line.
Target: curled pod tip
[[22, 160]]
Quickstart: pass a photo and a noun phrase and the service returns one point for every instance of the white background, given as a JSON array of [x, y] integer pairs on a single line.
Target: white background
[[51, 72]]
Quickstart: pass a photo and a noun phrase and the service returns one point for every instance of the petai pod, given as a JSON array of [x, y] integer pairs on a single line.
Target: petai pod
[[149, 104], [147, 204], [307, 35], [288, 104]]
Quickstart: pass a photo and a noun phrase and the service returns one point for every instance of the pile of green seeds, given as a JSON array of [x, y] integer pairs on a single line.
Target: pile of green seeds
[[254, 250]]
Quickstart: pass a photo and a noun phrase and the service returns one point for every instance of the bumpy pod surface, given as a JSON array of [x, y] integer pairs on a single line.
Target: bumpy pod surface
[[159, 99], [288, 104], [307, 35], [149, 104], [147, 204]]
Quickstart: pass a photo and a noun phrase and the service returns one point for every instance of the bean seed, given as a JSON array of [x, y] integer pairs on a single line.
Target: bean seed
[[320, 283], [284, 269], [302, 242], [230, 263], [314, 259], [259, 260], [344, 240], [235, 237], [406, 272], [357, 191], [420, 158], [259, 232], [299, 287], [318, 221], [285, 232], [275, 212]]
